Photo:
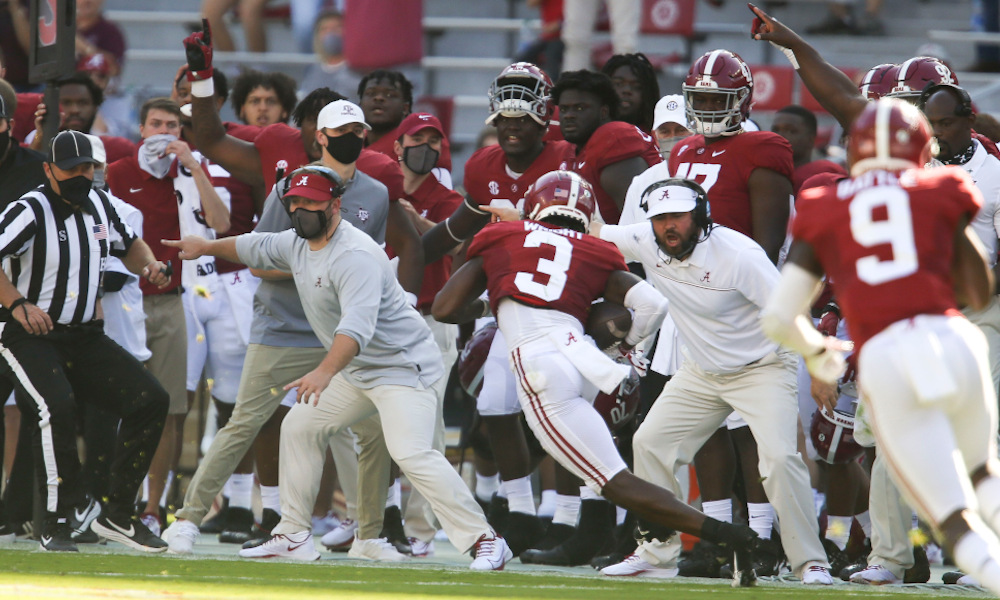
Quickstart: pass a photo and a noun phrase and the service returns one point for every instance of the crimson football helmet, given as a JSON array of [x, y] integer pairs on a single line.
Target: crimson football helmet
[[561, 194], [618, 408], [878, 81], [916, 74], [521, 89], [725, 73], [472, 360], [889, 134], [833, 437]]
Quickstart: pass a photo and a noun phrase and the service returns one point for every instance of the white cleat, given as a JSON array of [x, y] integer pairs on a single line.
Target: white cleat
[[633, 566], [296, 546], [375, 549], [341, 537], [181, 536], [420, 548], [875, 575], [492, 554], [814, 574]]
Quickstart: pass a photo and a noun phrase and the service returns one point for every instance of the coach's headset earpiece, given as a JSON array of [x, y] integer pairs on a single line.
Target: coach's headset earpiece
[[337, 190], [702, 211], [964, 108]]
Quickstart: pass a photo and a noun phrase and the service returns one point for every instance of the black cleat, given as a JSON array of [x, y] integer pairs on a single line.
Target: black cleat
[[239, 525], [597, 521], [392, 530], [920, 572], [523, 532], [56, 535], [80, 519], [129, 531]]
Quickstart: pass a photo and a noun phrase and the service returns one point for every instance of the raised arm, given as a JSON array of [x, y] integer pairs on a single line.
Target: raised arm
[[216, 212], [828, 84]]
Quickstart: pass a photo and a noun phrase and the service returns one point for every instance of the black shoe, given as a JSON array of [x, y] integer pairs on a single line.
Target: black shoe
[[952, 577], [920, 572], [496, 513], [80, 519], [129, 531], [555, 534], [257, 542], [239, 524], [597, 521], [705, 560], [56, 535], [218, 522], [523, 532], [837, 558], [392, 530], [768, 557], [23, 528], [623, 546], [858, 563], [268, 519]]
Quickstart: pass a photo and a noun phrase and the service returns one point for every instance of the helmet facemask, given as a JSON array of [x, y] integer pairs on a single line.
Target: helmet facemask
[[712, 123]]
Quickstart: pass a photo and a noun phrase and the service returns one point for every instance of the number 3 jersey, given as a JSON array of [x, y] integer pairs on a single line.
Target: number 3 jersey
[[886, 239], [544, 267], [724, 167]]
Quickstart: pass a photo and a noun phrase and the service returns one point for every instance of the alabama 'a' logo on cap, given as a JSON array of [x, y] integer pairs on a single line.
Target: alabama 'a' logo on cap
[[303, 180]]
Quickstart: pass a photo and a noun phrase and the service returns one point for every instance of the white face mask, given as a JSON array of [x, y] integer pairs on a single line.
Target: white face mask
[[667, 144], [152, 155]]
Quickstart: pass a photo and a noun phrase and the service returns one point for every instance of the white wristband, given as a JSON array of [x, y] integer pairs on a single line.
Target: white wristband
[[788, 54], [203, 89], [411, 298]]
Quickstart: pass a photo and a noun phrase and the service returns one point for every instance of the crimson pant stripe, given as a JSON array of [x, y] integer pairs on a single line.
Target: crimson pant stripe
[[566, 447]]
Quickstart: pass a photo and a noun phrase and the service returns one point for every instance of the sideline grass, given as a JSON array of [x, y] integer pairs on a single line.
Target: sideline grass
[[34, 574]]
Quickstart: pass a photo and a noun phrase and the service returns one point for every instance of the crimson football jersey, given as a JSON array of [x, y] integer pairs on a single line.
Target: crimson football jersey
[[613, 142], [886, 239], [280, 147], [813, 168], [487, 178], [545, 267], [723, 168]]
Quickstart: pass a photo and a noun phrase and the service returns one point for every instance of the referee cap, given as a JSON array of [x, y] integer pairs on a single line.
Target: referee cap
[[71, 148]]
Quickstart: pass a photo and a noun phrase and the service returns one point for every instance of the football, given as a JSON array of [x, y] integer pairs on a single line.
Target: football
[[608, 323]]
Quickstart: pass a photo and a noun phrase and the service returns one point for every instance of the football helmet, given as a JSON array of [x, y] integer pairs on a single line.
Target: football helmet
[[725, 73], [521, 89], [878, 81], [889, 134], [561, 194], [833, 437], [917, 73], [472, 360], [620, 407]]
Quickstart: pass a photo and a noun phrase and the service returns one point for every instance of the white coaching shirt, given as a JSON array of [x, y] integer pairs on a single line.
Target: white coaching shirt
[[715, 296], [985, 171]]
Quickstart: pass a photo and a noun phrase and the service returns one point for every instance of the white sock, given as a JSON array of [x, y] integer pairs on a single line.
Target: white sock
[[270, 497], [761, 517], [988, 493], [620, 515], [242, 490], [227, 489], [838, 530], [865, 521], [588, 494], [145, 489], [166, 489], [519, 495], [567, 510], [977, 553], [395, 495], [720, 510], [486, 486], [547, 507], [819, 500]]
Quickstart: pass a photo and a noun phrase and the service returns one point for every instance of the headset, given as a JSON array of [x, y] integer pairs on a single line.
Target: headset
[[702, 211], [965, 102], [337, 184]]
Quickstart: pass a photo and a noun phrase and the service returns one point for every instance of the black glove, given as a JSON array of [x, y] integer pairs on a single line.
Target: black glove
[[198, 48]]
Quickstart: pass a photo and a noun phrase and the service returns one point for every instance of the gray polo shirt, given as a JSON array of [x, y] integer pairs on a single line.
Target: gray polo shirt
[[278, 318], [350, 288]]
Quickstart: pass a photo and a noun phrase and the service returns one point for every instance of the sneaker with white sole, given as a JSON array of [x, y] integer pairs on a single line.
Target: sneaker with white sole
[[420, 548], [341, 537], [128, 531], [80, 519], [181, 536], [814, 574], [875, 575], [324, 525], [379, 549], [633, 566], [492, 553], [296, 546]]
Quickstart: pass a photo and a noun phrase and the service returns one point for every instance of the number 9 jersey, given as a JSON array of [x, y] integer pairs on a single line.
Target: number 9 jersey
[[886, 239], [545, 267]]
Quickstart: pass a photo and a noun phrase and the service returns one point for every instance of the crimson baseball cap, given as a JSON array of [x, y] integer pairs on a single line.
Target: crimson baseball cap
[[314, 185], [71, 148], [414, 122], [94, 63]]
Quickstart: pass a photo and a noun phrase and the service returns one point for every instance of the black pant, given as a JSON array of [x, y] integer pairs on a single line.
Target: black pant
[[55, 369]]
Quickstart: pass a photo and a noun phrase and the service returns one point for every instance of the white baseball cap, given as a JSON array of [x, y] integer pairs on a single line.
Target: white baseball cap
[[670, 109], [97, 148], [340, 113], [671, 199]]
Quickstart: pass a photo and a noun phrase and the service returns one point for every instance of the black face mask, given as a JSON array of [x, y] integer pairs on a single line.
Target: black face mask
[[75, 190], [420, 159], [309, 224], [344, 149]]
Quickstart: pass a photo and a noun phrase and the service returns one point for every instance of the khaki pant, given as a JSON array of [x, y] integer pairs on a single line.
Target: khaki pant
[[694, 403], [166, 338], [266, 371]]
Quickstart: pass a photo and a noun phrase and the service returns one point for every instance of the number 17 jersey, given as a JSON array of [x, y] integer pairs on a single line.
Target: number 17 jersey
[[545, 267], [886, 239]]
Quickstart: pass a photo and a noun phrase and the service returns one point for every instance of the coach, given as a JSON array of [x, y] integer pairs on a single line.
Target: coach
[[57, 239]]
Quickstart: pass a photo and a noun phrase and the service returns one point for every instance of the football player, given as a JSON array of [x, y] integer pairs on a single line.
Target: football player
[[541, 300], [637, 88], [922, 367]]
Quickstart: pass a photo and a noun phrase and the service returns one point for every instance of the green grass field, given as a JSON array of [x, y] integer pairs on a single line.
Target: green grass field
[[27, 573]]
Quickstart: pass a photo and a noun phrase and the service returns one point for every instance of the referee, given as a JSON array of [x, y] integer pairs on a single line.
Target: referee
[[54, 242]]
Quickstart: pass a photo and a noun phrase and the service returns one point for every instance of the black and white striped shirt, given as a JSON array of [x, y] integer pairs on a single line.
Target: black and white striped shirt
[[55, 255]]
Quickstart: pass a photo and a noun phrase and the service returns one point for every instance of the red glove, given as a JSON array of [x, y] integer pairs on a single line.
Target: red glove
[[198, 48], [829, 320]]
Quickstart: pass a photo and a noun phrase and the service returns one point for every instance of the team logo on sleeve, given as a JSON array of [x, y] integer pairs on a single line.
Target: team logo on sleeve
[[363, 215]]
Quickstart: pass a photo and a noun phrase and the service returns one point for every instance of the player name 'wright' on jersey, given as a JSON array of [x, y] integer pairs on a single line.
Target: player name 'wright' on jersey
[[535, 226]]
